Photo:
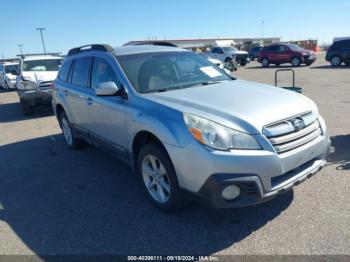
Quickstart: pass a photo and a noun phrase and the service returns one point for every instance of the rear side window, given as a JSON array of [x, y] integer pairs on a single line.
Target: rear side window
[[273, 48], [81, 70], [64, 71]]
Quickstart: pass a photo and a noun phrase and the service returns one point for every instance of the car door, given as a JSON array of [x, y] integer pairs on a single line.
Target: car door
[[108, 111], [78, 94], [214, 52], [283, 54], [220, 54]]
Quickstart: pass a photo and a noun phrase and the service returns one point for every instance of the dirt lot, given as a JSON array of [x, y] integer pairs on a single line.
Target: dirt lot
[[57, 201]]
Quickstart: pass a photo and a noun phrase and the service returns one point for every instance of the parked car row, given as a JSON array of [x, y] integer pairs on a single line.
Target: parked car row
[[7, 78], [187, 128], [277, 54], [34, 76]]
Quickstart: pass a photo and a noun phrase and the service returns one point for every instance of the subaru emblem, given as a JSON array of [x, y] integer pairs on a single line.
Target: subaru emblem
[[298, 124]]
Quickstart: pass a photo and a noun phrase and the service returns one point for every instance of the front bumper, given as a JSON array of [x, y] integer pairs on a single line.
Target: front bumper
[[309, 59], [252, 191], [261, 174], [35, 94]]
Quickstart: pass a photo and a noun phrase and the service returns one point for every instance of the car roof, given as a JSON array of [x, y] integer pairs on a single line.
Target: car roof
[[138, 49], [41, 57]]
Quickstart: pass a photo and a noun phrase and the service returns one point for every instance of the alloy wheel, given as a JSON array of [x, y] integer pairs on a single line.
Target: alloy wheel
[[336, 61], [156, 178], [67, 132]]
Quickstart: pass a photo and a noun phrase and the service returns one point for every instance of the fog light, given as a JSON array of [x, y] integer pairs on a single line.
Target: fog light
[[231, 192]]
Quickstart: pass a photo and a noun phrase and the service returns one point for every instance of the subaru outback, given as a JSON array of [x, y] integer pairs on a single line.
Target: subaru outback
[[187, 128]]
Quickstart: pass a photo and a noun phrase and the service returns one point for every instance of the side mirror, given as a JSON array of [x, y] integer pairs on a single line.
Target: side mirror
[[106, 89], [14, 72]]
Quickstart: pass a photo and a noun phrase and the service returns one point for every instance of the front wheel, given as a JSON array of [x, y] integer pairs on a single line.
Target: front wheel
[[296, 61], [158, 177], [336, 61]]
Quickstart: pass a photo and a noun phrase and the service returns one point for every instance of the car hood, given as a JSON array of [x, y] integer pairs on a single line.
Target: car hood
[[41, 76], [11, 77], [242, 105], [238, 52]]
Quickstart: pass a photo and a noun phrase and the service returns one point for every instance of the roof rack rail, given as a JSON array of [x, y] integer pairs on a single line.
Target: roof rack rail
[[159, 43], [85, 48]]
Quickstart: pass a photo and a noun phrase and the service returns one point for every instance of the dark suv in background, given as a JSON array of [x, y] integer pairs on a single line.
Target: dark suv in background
[[285, 53], [339, 53], [254, 52]]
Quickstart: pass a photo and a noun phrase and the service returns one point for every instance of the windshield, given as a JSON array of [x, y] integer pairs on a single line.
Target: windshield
[[230, 49], [42, 65], [155, 72], [10, 68], [295, 47]]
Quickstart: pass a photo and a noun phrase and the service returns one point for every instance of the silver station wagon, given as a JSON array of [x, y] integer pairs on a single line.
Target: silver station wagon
[[187, 128]]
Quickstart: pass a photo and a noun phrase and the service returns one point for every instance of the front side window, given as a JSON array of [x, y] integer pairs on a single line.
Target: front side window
[[42, 65], [10, 68], [102, 72], [163, 71], [80, 74]]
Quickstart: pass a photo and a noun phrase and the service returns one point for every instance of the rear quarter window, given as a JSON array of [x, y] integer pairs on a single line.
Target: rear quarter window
[[64, 71]]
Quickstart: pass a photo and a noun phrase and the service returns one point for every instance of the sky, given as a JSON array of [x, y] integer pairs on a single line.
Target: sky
[[71, 23]]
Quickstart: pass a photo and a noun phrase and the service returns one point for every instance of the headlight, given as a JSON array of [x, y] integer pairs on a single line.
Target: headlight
[[218, 136], [27, 85]]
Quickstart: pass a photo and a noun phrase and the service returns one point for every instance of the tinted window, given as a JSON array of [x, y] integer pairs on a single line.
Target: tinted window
[[42, 65], [63, 75], [343, 44], [102, 71], [10, 68], [273, 48], [80, 74], [215, 50]]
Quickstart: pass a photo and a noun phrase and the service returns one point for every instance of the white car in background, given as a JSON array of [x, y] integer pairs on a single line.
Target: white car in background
[[34, 80], [7, 79]]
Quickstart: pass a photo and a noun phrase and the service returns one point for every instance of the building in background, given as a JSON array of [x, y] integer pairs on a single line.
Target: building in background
[[307, 44], [204, 44]]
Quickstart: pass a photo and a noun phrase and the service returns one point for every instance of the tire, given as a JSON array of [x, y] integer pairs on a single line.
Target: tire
[[6, 86], [71, 141], [158, 177], [243, 64], [265, 62], [308, 64], [296, 61], [228, 60], [336, 61], [347, 63], [251, 58], [27, 109]]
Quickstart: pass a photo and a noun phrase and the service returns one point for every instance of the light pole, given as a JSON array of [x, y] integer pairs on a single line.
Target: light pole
[[41, 29], [262, 29], [20, 48]]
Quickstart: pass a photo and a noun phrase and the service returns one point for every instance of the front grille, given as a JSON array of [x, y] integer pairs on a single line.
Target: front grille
[[45, 85], [293, 133], [241, 56]]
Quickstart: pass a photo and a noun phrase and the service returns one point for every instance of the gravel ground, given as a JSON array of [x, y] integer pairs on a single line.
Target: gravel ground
[[57, 201]]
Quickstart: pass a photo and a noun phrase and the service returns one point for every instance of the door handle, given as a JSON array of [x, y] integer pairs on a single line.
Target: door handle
[[89, 101]]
